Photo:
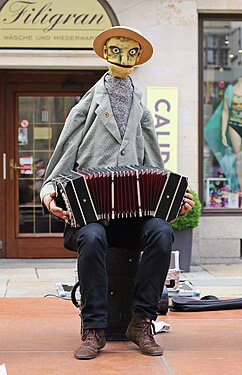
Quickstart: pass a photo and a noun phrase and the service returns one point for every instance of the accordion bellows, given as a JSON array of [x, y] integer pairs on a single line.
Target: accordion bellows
[[94, 194]]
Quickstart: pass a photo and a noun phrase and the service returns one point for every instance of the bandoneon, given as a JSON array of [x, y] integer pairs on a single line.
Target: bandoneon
[[94, 194]]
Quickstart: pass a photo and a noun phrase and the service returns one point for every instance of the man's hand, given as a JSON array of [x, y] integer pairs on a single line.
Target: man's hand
[[50, 203], [188, 202]]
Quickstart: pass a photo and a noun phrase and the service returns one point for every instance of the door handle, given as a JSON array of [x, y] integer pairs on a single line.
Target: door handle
[[13, 166], [4, 166]]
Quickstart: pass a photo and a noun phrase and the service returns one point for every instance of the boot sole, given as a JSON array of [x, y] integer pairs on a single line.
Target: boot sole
[[85, 358], [152, 354], [144, 353]]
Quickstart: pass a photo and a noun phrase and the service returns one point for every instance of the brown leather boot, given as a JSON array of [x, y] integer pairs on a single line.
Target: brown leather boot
[[140, 332], [92, 341]]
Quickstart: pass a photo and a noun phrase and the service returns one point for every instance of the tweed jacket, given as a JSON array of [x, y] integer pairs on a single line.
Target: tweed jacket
[[90, 137]]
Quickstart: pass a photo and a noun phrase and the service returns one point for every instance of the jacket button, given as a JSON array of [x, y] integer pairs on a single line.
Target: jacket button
[[122, 152], [106, 114]]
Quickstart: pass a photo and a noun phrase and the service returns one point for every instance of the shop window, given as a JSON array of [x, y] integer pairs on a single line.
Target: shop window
[[221, 112]]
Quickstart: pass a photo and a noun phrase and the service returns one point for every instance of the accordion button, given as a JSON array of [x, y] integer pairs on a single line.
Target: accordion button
[[122, 152]]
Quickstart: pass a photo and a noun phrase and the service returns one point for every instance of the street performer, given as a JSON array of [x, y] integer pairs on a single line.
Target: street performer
[[110, 126]]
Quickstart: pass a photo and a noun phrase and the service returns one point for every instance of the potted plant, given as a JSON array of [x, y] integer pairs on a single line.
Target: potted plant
[[183, 232]]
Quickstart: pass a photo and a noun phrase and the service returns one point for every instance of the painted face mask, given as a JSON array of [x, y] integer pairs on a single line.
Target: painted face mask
[[121, 54]]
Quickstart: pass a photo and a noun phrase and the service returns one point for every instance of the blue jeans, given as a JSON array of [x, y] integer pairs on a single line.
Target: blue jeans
[[151, 236]]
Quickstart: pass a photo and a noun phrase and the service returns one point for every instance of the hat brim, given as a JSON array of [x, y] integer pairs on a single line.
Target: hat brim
[[126, 32]]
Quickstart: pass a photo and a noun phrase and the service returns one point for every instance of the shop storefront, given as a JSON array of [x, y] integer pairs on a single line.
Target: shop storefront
[[192, 86]]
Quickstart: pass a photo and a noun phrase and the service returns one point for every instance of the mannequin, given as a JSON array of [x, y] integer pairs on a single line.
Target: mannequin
[[232, 122], [110, 126]]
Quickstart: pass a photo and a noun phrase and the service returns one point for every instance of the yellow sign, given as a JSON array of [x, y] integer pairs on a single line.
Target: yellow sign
[[42, 133], [163, 103], [53, 24]]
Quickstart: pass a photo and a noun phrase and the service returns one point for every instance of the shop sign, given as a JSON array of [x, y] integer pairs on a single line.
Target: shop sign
[[26, 164], [163, 104], [55, 24]]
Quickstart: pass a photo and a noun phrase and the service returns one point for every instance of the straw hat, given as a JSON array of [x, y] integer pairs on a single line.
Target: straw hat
[[127, 32]]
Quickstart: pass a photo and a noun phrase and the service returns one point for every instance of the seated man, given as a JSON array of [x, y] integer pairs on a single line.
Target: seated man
[[110, 126]]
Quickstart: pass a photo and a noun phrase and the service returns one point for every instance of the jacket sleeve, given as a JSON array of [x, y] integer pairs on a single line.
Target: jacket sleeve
[[152, 155]]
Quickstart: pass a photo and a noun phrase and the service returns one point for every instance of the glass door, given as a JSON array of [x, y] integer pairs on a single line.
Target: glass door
[[37, 104], [40, 120]]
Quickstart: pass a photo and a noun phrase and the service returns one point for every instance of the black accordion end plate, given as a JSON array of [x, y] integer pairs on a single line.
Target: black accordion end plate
[[172, 197]]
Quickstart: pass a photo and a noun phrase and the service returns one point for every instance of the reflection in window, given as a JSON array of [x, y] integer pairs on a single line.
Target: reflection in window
[[222, 113]]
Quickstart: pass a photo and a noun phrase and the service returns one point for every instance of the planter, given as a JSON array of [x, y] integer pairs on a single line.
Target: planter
[[183, 243]]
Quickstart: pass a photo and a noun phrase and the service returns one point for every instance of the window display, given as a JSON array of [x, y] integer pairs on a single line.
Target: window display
[[222, 113]]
